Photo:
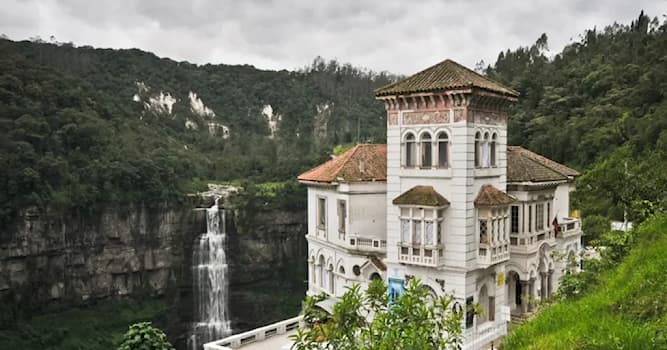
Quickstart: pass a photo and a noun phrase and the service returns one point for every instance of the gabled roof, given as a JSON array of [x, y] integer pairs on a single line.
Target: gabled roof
[[526, 166], [445, 75], [421, 195], [361, 163], [490, 196]]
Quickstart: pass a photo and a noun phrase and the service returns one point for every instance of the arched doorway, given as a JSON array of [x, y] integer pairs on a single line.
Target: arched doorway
[[513, 291], [484, 304]]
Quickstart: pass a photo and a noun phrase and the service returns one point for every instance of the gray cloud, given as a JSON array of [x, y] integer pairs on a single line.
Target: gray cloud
[[398, 36]]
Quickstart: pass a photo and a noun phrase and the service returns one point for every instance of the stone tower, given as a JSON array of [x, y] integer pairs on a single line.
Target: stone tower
[[446, 180]]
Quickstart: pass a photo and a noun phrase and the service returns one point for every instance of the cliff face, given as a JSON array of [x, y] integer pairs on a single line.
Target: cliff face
[[146, 251], [115, 252], [267, 254]]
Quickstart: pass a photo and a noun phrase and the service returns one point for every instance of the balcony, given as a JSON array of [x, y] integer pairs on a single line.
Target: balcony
[[365, 244], [489, 254], [416, 254], [569, 227]]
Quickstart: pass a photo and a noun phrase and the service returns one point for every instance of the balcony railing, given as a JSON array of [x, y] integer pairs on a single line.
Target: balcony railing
[[489, 254], [417, 254], [256, 335], [357, 242], [569, 227]]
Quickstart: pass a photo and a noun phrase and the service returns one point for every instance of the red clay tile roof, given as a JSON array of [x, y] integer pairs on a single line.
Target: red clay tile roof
[[421, 195], [526, 166], [361, 163], [490, 196], [445, 75]]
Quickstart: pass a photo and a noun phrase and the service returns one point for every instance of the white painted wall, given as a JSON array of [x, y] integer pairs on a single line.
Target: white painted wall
[[562, 199]]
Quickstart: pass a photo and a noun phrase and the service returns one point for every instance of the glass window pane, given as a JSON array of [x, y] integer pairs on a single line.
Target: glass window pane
[[417, 232], [428, 233], [405, 231]]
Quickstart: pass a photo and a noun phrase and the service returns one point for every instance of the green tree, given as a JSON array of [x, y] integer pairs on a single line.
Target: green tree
[[364, 321], [143, 336]]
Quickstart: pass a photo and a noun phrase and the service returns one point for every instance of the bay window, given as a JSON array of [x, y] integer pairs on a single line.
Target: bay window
[[421, 234]]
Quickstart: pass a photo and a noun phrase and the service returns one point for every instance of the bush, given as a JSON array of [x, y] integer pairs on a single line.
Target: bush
[[143, 336]]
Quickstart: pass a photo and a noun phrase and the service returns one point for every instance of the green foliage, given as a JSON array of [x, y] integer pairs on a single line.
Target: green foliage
[[415, 320], [599, 105], [72, 136], [143, 336], [625, 309], [92, 327], [340, 149]]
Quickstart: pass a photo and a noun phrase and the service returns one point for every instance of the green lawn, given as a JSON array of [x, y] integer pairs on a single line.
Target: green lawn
[[626, 310]]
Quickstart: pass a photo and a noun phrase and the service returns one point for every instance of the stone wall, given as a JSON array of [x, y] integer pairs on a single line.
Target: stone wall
[[115, 251], [142, 251], [267, 256]]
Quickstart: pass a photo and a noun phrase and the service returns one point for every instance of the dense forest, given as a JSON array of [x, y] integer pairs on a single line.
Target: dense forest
[[600, 106], [80, 125]]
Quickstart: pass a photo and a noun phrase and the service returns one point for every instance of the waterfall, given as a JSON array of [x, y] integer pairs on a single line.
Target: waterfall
[[210, 281]]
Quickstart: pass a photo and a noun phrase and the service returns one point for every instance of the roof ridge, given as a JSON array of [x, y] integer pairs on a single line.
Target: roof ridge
[[531, 155], [444, 75], [348, 155]]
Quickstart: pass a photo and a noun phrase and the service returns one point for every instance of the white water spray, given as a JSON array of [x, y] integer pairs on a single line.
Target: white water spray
[[210, 281]]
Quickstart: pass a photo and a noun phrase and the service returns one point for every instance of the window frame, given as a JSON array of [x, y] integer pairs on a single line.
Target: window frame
[[478, 158], [409, 150], [425, 150], [322, 213], [493, 155], [440, 140]]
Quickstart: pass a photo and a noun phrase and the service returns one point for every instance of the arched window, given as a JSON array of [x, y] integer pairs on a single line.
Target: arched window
[[485, 151], [426, 150], [443, 150], [375, 276], [494, 139], [477, 150], [484, 304], [341, 270], [410, 150]]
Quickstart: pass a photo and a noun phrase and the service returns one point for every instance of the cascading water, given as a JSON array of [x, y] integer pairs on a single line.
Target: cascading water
[[210, 281]]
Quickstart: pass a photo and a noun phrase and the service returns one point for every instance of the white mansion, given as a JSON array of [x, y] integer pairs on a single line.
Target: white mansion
[[446, 201]]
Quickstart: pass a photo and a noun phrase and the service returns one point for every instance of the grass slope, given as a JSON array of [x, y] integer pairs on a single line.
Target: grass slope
[[90, 328], [626, 310]]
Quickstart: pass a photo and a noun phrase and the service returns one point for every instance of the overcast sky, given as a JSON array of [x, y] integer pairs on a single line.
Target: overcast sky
[[397, 36]]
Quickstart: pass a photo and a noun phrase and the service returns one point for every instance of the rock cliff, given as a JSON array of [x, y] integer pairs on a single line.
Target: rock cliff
[[141, 251]]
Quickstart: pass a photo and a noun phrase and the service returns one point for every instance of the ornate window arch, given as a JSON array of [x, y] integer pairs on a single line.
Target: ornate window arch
[[426, 150], [443, 149], [409, 150], [478, 157], [485, 151], [494, 141]]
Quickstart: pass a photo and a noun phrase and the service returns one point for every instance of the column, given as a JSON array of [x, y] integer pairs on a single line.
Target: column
[[524, 296], [531, 293]]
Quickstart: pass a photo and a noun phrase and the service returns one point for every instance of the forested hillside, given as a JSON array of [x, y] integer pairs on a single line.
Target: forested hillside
[[600, 106], [80, 125]]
